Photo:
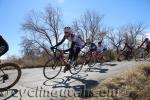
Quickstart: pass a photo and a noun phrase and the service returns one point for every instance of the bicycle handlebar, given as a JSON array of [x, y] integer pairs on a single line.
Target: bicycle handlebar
[[58, 50]]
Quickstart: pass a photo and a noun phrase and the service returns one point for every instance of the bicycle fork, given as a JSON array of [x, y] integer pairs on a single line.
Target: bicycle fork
[[4, 77]]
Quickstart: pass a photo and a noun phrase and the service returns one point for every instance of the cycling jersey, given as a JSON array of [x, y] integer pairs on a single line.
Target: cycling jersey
[[101, 49], [92, 47], [76, 45], [75, 39]]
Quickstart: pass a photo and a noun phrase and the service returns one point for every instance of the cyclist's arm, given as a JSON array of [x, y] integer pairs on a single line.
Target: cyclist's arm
[[60, 42], [142, 44]]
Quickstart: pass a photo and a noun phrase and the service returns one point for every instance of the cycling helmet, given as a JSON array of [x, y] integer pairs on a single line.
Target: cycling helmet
[[146, 39], [67, 30], [126, 43]]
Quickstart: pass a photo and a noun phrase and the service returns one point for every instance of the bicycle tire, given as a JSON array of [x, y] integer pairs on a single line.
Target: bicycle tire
[[15, 66], [88, 60], [53, 67], [76, 71], [79, 66], [138, 55], [147, 56], [91, 62]]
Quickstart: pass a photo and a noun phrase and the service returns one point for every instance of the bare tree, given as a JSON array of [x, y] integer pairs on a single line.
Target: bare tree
[[126, 34], [28, 47], [89, 25], [116, 38], [132, 32], [43, 28]]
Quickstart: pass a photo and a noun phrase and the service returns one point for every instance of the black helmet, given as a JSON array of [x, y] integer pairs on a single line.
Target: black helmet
[[146, 39], [126, 43]]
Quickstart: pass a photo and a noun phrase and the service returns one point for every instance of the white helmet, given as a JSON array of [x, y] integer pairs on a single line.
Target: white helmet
[[68, 29]]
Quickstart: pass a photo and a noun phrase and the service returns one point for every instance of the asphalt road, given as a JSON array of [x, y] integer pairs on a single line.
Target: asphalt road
[[34, 86]]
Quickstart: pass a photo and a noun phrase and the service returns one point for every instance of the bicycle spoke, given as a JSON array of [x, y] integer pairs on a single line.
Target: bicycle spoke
[[9, 75]]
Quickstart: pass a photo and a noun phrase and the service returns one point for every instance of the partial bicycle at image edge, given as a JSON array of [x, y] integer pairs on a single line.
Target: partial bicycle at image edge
[[10, 74]]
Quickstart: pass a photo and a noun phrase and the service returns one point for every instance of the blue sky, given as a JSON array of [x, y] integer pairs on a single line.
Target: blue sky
[[116, 12]]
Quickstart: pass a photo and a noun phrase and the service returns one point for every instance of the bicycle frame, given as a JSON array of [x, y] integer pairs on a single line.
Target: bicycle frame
[[61, 55]]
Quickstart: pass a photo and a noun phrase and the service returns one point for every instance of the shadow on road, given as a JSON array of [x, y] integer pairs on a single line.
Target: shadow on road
[[79, 84], [96, 69], [5, 95], [111, 64], [65, 81], [99, 68]]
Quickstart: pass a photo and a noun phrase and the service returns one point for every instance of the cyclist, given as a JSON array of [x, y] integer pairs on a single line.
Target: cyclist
[[127, 50], [91, 49], [101, 48], [147, 43], [76, 45], [3, 46], [91, 45]]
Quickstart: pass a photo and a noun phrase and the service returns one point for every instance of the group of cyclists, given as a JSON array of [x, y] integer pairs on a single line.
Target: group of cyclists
[[77, 43], [128, 50]]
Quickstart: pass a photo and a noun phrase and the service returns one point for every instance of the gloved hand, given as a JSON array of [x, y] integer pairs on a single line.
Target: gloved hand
[[52, 48]]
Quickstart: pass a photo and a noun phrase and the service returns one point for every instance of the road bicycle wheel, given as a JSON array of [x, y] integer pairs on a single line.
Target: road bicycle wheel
[[126, 55], [147, 56], [10, 74], [77, 66], [139, 54], [89, 60], [52, 68], [101, 58]]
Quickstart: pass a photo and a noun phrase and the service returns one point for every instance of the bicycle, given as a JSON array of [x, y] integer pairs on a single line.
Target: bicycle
[[55, 64], [125, 55], [10, 74], [140, 53], [91, 58]]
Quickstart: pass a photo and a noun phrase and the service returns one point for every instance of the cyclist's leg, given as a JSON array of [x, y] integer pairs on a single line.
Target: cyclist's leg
[[71, 52], [76, 52], [70, 58]]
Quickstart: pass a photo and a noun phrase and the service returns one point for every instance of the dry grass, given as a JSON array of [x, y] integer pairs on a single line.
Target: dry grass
[[131, 85]]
